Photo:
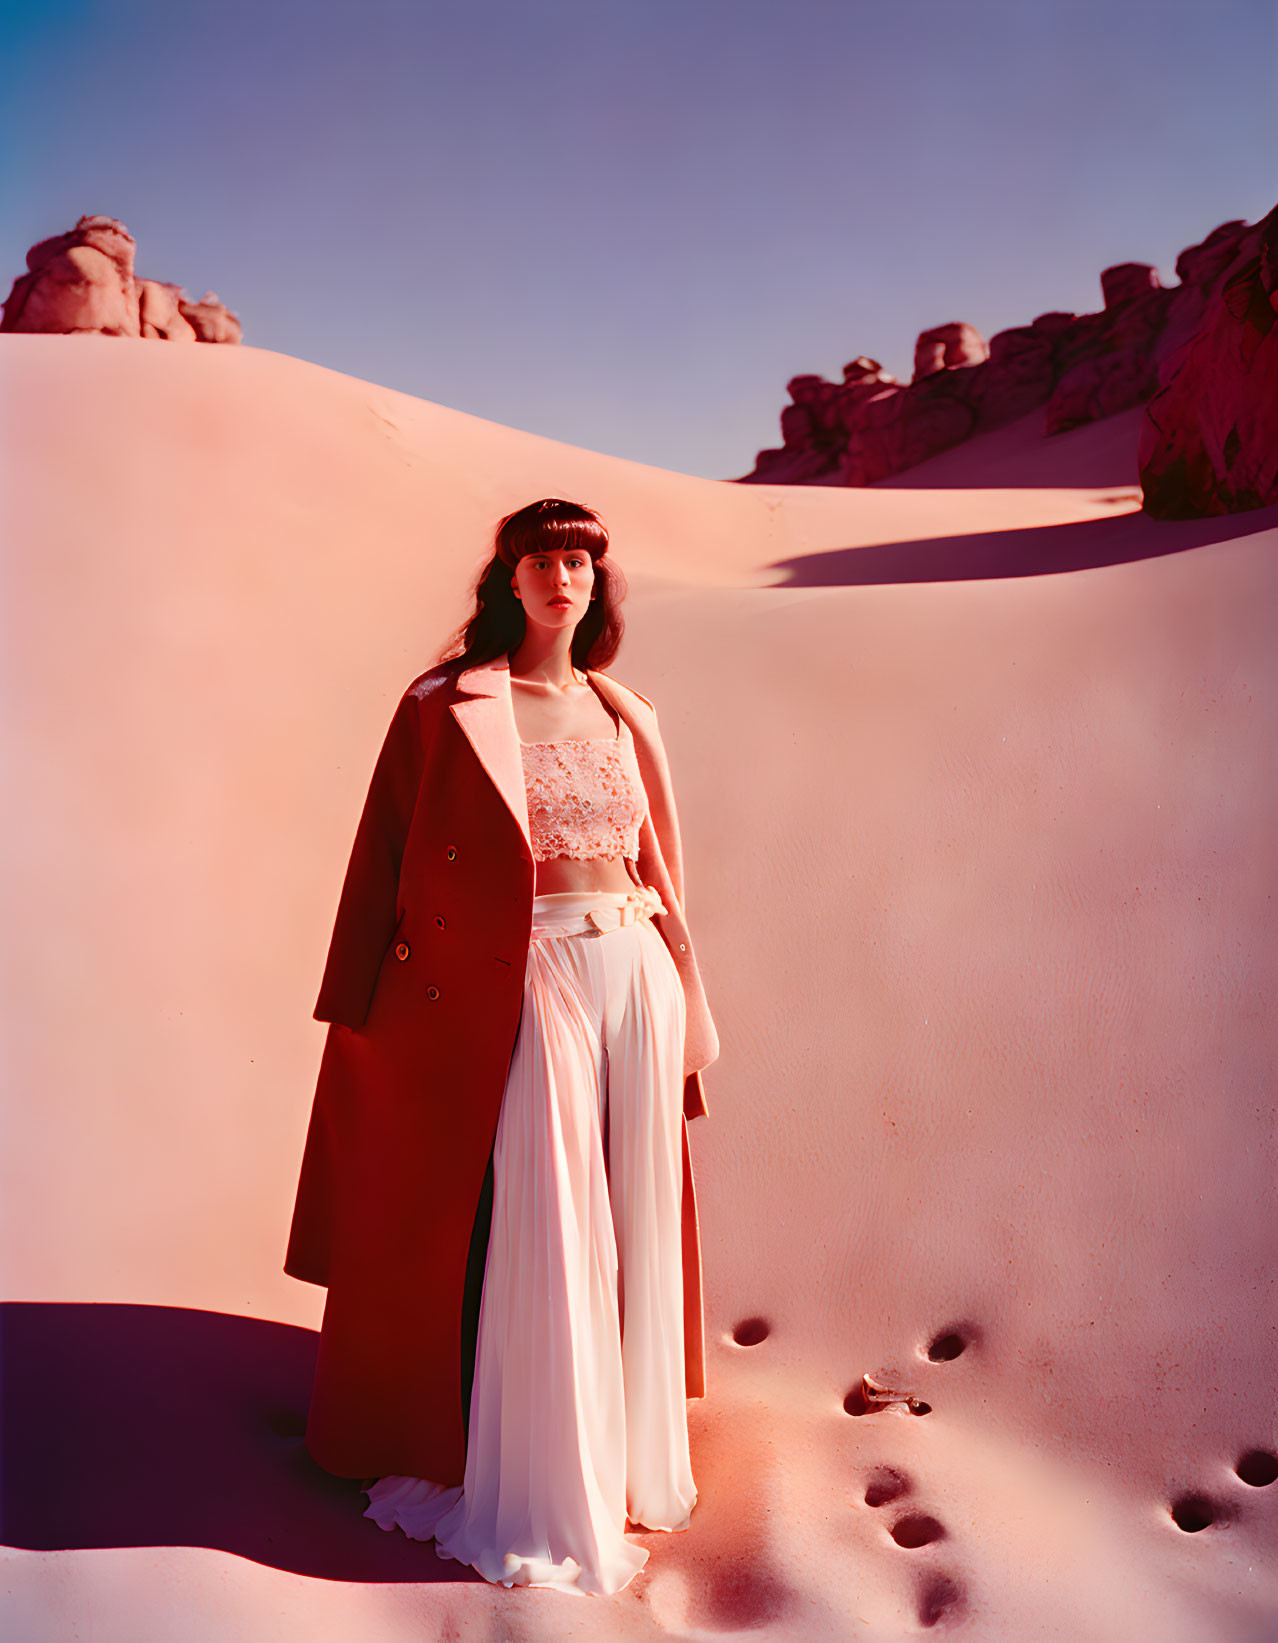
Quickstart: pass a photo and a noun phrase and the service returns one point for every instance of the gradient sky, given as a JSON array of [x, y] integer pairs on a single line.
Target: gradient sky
[[627, 223]]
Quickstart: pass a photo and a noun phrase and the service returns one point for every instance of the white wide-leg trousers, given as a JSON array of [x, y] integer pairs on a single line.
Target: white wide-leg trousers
[[578, 1418]]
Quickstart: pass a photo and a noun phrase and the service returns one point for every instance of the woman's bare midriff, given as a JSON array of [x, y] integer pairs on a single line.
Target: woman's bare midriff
[[560, 873]]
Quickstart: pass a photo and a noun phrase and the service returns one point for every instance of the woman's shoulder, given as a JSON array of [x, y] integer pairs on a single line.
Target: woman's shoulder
[[631, 696]]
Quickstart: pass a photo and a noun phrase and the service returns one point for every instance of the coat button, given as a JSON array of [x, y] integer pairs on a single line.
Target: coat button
[[451, 852], [440, 920], [432, 992], [401, 952]]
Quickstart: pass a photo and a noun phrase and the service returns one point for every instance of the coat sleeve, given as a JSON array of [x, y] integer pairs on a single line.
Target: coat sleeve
[[367, 909], [665, 823]]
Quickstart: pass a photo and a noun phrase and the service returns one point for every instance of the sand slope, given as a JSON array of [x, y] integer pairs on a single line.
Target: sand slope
[[976, 784]]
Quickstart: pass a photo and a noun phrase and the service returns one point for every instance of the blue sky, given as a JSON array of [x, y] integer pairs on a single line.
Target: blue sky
[[627, 223]]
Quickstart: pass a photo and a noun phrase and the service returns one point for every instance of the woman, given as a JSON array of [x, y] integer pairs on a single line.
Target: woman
[[497, 1188]]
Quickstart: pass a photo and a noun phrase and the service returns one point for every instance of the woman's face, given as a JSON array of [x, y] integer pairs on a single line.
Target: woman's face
[[554, 587]]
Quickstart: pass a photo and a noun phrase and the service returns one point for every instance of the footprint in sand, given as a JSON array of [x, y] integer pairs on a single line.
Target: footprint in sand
[[1258, 1468], [885, 1484], [947, 1344], [939, 1596], [869, 1396], [917, 1529], [952, 1342], [1193, 1511]]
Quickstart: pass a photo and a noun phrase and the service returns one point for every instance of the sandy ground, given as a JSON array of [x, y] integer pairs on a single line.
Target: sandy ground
[[977, 789]]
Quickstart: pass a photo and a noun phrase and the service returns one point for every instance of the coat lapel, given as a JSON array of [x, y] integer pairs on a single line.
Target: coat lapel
[[486, 714], [488, 720]]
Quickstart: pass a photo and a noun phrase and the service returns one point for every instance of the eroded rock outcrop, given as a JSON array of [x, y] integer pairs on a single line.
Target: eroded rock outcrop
[[1077, 367], [83, 281], [1209, 444], [946, 347]]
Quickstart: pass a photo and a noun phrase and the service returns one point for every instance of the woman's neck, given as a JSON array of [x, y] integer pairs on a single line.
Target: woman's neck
[[548, 664]]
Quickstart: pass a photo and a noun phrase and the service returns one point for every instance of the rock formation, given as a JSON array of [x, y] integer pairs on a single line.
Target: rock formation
[[1078, 368], [84, 281], [948, 346], [1209, 444]]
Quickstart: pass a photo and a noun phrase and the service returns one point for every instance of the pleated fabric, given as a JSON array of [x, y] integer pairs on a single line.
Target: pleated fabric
[[578, 1415]]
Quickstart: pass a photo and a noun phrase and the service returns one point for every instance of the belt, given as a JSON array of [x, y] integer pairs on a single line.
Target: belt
[[639, 905]]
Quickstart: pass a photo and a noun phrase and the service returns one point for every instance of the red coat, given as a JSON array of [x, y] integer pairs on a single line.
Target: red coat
[[423, 987]]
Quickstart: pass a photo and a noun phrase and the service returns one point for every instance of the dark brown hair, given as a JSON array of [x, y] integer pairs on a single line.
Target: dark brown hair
[[497, 623]]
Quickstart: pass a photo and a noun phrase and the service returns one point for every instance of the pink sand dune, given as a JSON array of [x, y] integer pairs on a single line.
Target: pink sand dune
[[981, 863]]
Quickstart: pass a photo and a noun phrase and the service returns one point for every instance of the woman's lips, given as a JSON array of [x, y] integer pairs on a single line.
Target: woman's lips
[[559, 601]]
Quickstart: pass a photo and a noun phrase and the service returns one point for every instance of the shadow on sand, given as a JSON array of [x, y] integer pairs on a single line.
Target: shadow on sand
[[1040, 550], [161, 1426]]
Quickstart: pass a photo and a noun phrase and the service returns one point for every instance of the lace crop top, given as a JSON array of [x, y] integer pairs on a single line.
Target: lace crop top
[[585, 798]]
